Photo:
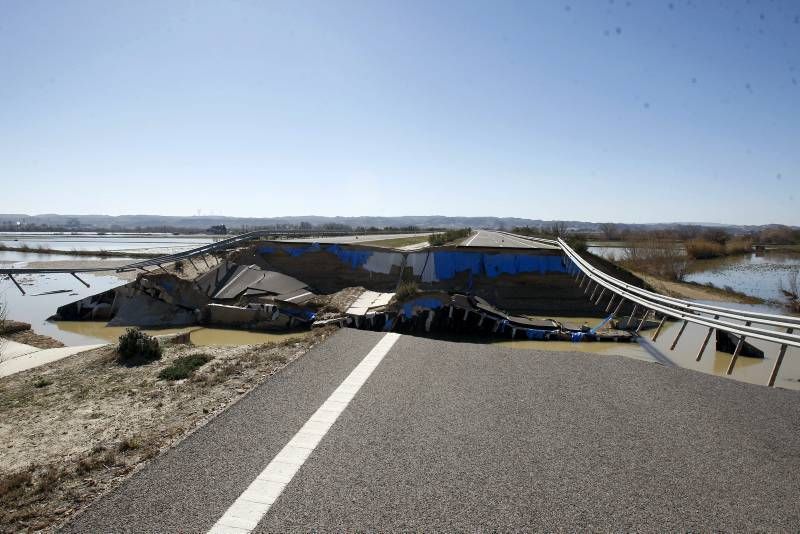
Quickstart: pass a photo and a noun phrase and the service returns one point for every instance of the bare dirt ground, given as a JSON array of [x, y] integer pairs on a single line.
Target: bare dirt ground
[[74, 429]]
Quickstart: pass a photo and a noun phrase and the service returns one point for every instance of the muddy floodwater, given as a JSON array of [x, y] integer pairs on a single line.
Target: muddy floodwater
[[753, 370]]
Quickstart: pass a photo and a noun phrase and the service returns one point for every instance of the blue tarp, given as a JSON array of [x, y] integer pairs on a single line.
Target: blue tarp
[[538, 335], [356, 258], [449, 263], [423, 302]]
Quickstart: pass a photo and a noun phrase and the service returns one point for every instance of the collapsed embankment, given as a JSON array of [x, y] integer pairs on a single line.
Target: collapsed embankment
[[530, 281]]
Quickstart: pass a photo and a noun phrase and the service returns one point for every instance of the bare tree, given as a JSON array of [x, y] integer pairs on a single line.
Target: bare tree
[[792, 290], [558, 229], [609, 231]]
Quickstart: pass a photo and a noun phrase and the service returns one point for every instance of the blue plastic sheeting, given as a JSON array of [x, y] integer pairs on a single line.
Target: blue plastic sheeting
[[497, 264], [356, 258], [305, 315], [388, 326], [423, 302], [449, 263], [299, 251], [169, 285], [266, 250], [577, 336], [538, 335], [476, 263]]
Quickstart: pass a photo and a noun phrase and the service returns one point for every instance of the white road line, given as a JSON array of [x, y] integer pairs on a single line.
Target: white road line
[[477, 233], [245, 513]]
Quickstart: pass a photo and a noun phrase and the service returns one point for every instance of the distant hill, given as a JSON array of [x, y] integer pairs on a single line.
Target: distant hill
[[202, 222]]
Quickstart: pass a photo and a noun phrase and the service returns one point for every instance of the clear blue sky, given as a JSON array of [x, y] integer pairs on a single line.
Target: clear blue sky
[[633, 111]]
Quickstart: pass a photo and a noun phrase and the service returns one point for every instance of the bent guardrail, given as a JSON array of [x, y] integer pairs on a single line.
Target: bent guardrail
[[707, 316]]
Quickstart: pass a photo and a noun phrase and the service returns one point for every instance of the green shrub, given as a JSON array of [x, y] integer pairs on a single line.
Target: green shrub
[[136, 348], [41, 382], [183, 367]]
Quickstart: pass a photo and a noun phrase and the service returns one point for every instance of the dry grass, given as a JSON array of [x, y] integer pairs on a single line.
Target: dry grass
[[95, 421], [657, 257], [702, 249]]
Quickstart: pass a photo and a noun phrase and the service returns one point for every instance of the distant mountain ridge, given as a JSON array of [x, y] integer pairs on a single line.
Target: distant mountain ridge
[[201, 222]]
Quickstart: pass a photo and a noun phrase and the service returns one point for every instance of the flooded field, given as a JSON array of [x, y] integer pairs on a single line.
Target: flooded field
[[158, 243], [758, 275]]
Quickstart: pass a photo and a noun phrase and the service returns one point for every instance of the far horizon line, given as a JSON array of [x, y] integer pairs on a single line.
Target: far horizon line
[[201, 216]]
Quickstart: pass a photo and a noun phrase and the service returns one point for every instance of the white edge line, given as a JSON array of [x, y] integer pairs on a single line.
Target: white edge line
[[472, 238], [251, 506]]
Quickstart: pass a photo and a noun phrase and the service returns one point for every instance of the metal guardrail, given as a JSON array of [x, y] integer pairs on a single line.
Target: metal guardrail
[[707, 316], [200, 251]]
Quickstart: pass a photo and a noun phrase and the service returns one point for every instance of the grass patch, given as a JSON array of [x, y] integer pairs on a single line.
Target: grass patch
[[406, 290], [398, 241], [41, 382], [184, 366], [449, 236]]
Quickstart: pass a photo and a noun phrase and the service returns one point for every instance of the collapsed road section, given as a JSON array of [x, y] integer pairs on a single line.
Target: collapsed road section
[[280, 286], [271, 285]]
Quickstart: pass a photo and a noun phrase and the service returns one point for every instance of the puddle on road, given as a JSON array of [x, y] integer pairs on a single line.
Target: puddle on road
[[94, 332]]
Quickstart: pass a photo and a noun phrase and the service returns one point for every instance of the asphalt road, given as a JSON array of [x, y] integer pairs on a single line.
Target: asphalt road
[[353, 238], [487, 238], [446, 436]]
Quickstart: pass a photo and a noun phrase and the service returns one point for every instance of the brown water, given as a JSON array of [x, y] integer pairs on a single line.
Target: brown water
[[98, 332], [753, 370]]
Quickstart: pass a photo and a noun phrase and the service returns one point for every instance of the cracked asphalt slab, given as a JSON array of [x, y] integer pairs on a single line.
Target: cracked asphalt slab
[[459, 436]]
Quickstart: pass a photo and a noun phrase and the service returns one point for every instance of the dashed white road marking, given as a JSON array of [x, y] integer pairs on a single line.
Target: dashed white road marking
[[246, 512]]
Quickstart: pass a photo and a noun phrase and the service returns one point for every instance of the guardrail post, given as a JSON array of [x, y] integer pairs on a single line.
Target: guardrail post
[[591, 298], [680, 332], [610, 302], [79, 279], [603, 292], [616, 310], [705, 341], [205, 260], [16, 284], [658, 328], [644, 318], [774, 374], [630, 318], [190, 261], [736, 352]]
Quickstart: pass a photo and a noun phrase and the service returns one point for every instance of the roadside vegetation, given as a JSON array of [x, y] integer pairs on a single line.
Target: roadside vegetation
[[398, 241], [74, 429], [449, 236], [137, 348], [184, 366], [791, 290], [102, 253]]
